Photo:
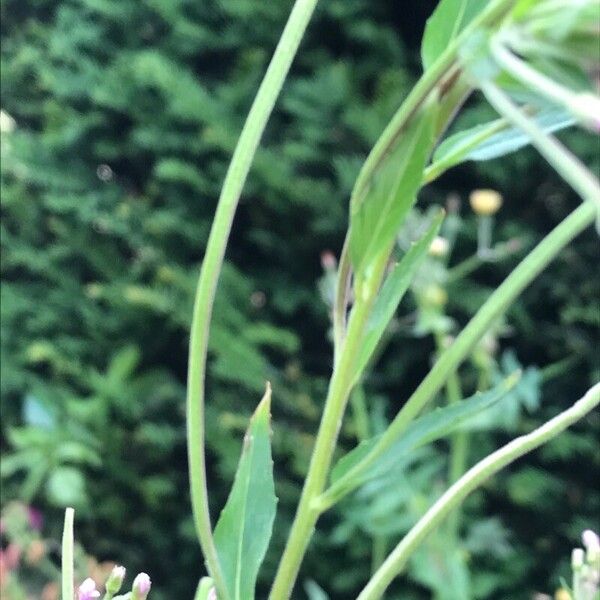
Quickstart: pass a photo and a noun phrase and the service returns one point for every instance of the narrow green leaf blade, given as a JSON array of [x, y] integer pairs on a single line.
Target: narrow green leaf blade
[[391, 293], [448, 19], [245, 525], [376, 220], [495, 139], [437, 424]]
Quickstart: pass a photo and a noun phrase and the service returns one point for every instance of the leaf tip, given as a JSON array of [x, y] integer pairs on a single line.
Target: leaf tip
[[263, 410]]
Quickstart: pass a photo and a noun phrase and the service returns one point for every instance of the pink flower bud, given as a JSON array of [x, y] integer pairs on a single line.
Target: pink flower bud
[[87, 590], [141, 587], [328, 260]]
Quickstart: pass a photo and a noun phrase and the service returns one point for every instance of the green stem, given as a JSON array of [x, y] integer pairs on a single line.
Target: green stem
[[448, 362], [335, 404], [360, 414], [475, 477], [459, 443], [211, 267], [529, 76], [545, 86], [568, 166], [340, 305], [499, 252], [444, 65], [68, 593]]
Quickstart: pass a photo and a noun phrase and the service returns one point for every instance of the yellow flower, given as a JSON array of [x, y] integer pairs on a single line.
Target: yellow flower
[[485, 202], [562, 594]]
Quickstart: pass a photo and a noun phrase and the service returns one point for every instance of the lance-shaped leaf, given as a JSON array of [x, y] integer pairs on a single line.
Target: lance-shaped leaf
[[391, 294], [244, 528], [448, 19], [436, 424], [376, 220], [495, 139]]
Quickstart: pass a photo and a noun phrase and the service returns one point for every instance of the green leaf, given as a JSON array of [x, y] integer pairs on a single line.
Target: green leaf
[[66, 487], [244, 529], [376, 220], [391, 293], [495, 139], [435, 425], [448, 19]]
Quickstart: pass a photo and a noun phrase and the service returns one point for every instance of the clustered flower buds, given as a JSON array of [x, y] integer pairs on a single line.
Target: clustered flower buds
[[139, 590], [586, 567]]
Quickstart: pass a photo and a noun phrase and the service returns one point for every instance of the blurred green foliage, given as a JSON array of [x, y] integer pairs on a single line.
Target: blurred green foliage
[[125, 115]]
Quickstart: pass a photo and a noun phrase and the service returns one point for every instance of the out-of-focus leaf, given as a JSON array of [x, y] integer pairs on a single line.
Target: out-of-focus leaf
[[13, 463], [314, 591], [66, 487], [123, 363], [37, 414], [76, 452], [376, 220], [495, 139], [448, 19], [392, 292], [442, 568], [437, 424], [244, 528]]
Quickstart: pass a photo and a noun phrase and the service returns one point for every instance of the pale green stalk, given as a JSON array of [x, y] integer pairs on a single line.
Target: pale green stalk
[[568, 166], [68, 593], [529, 76], [335, 404], [448, 362], [211, 267], [475, 477]]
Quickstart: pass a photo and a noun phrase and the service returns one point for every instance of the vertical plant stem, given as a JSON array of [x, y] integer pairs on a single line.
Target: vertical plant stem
[[68, 593], [454, 496], [335, 404], [211, 267], [459, 443], [360, 415], [340, 305], [449, 361]]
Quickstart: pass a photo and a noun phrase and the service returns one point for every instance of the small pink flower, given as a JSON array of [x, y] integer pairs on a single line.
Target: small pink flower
[[87, 590]]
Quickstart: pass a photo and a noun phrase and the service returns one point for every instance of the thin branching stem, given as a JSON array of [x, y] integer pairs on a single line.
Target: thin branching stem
[[452, 357], [470, 481], [211, 268]]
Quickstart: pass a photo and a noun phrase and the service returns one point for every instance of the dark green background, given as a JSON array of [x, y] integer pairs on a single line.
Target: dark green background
[[126, 115]]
